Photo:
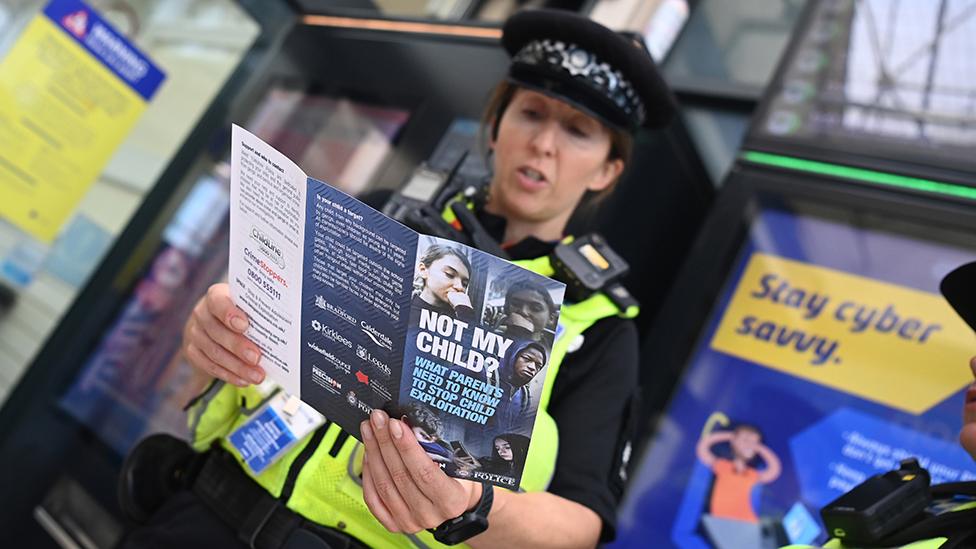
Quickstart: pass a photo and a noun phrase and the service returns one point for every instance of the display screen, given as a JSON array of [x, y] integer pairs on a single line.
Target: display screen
[[897, 76], [829, 356], [594, 257]]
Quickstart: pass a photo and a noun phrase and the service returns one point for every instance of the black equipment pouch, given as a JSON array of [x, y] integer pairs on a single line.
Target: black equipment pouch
[[161, 464], [156, 468], [895, 509]]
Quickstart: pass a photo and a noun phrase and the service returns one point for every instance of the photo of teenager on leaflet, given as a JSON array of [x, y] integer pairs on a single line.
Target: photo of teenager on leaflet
[[441, 283], [508, 453], [527, 313], [523, 361], [560, 129]]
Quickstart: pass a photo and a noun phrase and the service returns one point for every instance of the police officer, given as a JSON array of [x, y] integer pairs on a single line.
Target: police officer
[[561, 127]]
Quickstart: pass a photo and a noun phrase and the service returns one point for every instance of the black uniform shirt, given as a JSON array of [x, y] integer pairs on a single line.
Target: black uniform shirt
[[590, 403], [591, 399]]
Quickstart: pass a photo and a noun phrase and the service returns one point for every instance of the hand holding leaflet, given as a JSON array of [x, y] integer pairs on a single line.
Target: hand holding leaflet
[[353, 311]]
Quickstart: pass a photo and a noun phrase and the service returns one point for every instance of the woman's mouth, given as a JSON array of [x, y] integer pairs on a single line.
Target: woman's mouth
[[531, 179]]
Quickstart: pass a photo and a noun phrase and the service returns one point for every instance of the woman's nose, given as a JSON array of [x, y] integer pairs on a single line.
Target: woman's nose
[[544, 140]]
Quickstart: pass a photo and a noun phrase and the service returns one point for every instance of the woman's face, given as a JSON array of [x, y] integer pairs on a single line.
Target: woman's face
[[445, 275], [745, 444], [547, 155], [503, 448]]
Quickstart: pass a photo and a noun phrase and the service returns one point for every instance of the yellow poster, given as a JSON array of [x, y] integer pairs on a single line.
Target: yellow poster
[[71, 88], [891, 344]]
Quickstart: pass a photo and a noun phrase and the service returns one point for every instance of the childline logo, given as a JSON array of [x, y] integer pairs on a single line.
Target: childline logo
[[268, 247]]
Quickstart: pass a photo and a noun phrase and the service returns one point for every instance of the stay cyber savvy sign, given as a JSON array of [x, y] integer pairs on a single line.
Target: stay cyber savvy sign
[[354, 311], [873, 339], [831, 348]]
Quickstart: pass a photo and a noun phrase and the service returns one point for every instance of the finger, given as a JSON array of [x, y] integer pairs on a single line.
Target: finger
[[972, 365], [388, 433], [221, 306], [438, 488], [423, 512], [215, 333], [386, 489], [200, 361], [221, 356], [374, 502]]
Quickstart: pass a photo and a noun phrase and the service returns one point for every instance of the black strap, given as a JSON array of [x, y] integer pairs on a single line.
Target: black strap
[[949, 524], [260, 520]]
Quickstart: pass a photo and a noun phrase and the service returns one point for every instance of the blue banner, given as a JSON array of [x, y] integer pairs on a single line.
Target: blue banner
[[751, 448], [106, 44]]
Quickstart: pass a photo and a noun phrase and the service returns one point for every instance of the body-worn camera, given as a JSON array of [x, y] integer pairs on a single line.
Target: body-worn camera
[[587, 265], [879, 506]]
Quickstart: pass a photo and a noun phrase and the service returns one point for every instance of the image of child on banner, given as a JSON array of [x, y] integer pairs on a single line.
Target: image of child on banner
[[737, 474]]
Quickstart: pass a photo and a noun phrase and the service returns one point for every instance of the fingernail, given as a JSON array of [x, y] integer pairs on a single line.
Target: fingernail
[[365, 430], [379, 418], [395, 428], [251, 356], [254, 375], [238, 323]]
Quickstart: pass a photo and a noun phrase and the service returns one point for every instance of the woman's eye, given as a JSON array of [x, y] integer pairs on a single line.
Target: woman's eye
[[578, 131], [531, 113]]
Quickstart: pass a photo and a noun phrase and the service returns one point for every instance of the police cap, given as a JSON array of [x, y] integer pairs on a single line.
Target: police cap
[[589, 66]]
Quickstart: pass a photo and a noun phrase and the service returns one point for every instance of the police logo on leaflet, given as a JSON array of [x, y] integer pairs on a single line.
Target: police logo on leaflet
[[351, 398]]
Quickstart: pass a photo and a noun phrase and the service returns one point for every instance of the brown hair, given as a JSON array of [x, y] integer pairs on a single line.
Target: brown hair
[[621, 141]]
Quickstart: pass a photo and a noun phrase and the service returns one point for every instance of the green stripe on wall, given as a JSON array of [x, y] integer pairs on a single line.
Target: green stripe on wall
[[860, 174]]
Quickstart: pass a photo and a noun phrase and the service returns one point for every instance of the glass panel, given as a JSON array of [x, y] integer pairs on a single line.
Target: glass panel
[[733, 44], [717, 135], [198, 44], [892, 76]]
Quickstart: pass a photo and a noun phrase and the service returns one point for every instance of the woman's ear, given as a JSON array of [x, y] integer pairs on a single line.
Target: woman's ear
[[609, 173]]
